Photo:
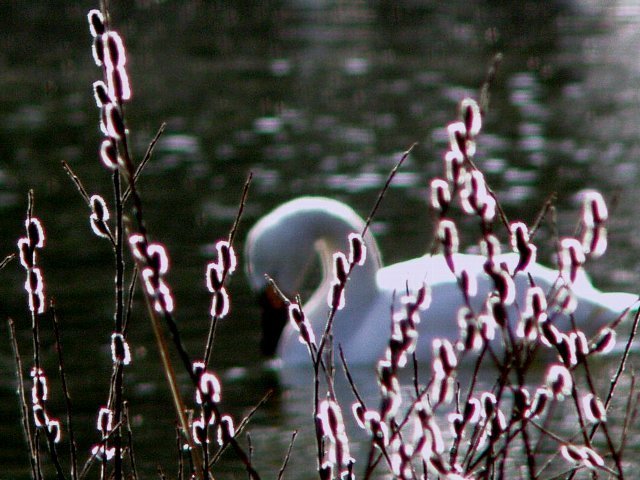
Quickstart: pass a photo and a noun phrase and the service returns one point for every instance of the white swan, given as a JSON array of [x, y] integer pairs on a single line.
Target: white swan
[[283, 245]]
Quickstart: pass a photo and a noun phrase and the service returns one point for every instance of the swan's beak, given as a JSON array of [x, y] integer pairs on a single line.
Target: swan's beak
[[274, 317]]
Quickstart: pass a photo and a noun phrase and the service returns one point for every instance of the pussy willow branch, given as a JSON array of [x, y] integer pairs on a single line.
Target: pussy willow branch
[[147, 156], [132, 457], [489, 80], [24, 407], [232, 234], [170, 375], [386, 186], [631, 411], [242, 425], [83, 193], [65, 393], [5, 261], [326, 335], [623, 361], [117, 394], [605, 429], [287, 455]]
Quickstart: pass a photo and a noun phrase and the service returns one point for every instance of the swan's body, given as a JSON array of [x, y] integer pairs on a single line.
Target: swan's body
[[283, 244]]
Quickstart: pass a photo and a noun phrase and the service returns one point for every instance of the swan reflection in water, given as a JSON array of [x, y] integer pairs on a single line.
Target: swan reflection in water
[[285, 243]]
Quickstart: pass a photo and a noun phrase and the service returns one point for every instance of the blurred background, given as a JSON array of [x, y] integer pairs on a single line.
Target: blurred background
[[313, 97]]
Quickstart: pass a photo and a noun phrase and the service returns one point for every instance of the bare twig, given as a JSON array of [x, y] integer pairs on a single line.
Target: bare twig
[[24, 407], [287, 456], [6, 260], [386, 186], [145, 160], [65, 391]]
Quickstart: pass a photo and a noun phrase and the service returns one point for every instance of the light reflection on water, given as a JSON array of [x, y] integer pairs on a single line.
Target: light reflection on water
[[313, 101]]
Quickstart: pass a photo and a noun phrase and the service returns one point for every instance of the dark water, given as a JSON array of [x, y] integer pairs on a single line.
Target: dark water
[[313, 98]]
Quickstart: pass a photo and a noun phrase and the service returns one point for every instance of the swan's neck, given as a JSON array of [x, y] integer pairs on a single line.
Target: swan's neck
[[361, 287], [283, 245]]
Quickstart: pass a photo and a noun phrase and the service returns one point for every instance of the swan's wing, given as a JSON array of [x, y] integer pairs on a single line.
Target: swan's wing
[[413, 273]]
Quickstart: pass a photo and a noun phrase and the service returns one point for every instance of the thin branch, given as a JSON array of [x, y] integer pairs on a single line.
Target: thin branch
[[488, 82], [243, 424], [287, 456], [5, 261], [243, 202], [386, 186], [65, 391], [145, 160], [24, 408], [232, 233], [77, 182], [623, 360]]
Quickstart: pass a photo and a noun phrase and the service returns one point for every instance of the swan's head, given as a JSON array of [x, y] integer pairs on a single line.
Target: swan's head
[[284, 244], [276, 249]]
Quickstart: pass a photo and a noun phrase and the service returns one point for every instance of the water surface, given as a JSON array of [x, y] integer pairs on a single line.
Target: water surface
[[313, 98]]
